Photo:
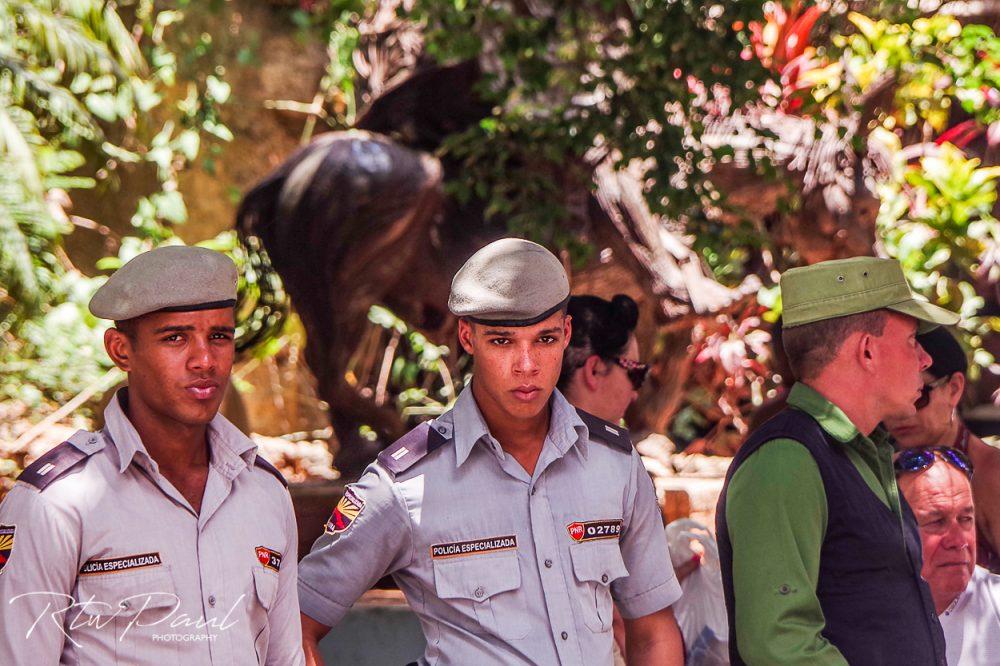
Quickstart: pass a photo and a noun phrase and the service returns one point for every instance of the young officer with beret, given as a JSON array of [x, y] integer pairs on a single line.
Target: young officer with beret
[[820, 557], [512, 521], [163, 538]]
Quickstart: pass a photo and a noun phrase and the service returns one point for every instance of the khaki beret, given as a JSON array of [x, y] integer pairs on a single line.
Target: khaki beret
[[173, 278], [510, 282], [843, 287]]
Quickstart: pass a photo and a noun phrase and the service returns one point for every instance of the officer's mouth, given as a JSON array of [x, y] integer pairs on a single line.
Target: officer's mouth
[[203, 389], [526, 393]]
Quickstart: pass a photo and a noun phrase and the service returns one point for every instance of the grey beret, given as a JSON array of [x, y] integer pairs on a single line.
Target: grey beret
[[510, 282], [174, 278]]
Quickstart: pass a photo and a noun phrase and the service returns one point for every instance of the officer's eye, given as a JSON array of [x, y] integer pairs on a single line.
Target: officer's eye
[[547, 339], [173, 337], [222, 336], [499, 342]]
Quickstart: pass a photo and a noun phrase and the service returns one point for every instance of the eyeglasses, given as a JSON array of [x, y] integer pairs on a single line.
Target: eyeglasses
[[925, 392], [916, 460], [637, 372]]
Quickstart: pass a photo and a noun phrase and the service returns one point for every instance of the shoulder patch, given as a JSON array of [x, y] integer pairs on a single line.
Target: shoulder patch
[[259, 461], [54, 463], [406, 451], [606, 432]]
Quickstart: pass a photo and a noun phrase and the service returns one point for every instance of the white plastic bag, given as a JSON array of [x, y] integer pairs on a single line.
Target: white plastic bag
[[701, 611]]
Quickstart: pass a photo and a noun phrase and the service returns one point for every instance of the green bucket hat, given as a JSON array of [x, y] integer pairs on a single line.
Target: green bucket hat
[[850, 286]]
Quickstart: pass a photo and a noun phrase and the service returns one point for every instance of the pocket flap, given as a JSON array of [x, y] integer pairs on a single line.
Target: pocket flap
[[125, 594], [597, 562], [476, 577], [266, 585]]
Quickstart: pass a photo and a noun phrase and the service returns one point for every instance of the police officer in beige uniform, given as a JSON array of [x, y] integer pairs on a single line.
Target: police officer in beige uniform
[[164, 538], [513, 520]]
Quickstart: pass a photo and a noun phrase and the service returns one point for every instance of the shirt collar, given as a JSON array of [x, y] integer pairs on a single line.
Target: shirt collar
[[830, 417], [565, 427], [231, 450]]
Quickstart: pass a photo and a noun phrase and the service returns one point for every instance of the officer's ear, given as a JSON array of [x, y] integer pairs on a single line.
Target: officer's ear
[[567, 330], [119, 346], [466, 335]]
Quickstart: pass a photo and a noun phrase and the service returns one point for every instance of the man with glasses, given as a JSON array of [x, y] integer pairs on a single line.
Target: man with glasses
[[936, 483], [513, 520], [820, 559], [937, 422]]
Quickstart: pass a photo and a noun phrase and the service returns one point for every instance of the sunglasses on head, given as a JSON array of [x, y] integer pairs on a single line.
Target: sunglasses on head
[[925, 391], [637, 372], [916, 460]]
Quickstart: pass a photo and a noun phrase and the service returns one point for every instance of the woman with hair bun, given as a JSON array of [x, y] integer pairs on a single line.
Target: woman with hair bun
[[601, 371], [602, 374]]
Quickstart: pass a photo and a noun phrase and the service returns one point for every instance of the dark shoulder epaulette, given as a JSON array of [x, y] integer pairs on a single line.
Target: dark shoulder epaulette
[[606, 432], [52, 464], [406, 451], [269, 468]]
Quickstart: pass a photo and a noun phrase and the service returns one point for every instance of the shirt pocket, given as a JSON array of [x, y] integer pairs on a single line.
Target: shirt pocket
[[489, 586], [132, 611], [596, 566], [265, 591]]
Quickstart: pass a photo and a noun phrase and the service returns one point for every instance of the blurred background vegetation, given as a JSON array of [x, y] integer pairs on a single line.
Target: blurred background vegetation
[[125, 126]]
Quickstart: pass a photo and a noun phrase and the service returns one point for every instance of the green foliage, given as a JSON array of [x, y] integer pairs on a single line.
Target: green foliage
[[82, 95], [931, 63], [579, 79], [936, 218]]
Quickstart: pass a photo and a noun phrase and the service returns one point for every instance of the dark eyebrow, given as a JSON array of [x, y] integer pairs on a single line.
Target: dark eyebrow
[[224, 329], [173, 329], [501, 333], [550, 331]]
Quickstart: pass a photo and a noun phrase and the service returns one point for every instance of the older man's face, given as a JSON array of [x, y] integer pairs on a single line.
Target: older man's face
[[941, 498]]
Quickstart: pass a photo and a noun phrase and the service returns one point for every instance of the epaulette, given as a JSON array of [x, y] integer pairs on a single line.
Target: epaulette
[[406, 451], [269, 468], [60, 459], [606, 432]]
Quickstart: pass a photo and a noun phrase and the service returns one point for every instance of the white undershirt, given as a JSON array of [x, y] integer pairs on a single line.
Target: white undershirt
[[972, 623]]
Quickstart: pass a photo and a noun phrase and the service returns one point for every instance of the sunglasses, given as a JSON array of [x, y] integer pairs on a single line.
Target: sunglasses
[[916, 460], [925, 392], [637, 372]]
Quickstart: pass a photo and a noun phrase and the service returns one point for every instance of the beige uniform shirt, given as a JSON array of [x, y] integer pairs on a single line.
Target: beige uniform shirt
[[108, 563]]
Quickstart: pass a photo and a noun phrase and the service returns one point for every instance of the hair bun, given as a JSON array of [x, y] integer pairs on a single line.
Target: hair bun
[[625, 310]]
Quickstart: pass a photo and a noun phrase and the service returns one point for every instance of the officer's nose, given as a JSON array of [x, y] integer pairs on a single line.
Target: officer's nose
[[525, 362], [201, 357]]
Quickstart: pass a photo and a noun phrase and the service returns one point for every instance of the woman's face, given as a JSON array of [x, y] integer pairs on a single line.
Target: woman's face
[[618, 390], [932, 424]]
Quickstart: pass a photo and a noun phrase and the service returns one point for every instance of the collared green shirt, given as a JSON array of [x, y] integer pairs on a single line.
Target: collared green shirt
[[776, 513]]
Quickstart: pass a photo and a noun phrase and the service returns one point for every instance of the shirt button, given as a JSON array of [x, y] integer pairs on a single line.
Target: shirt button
[[211, 600], [604, 578], [548, 564], [479, 592], [564, 635], [534, 489]]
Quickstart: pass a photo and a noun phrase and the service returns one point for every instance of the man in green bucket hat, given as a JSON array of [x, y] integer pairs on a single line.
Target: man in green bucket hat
[[820, 557]]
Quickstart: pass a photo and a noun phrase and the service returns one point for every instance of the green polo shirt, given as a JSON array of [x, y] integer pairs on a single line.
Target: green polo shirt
[[776, 513]]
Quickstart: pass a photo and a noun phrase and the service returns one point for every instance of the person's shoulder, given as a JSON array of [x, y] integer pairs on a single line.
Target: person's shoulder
[[268, 473], [418, 446], [63, 463], [605, 432]]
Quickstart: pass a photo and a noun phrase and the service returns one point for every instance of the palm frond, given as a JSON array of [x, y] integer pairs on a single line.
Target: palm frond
[[54, 38], [27, 85]]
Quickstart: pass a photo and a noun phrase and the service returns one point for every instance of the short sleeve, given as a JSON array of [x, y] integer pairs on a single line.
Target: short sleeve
[[41, 553], [651, 584], [367, 537]]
